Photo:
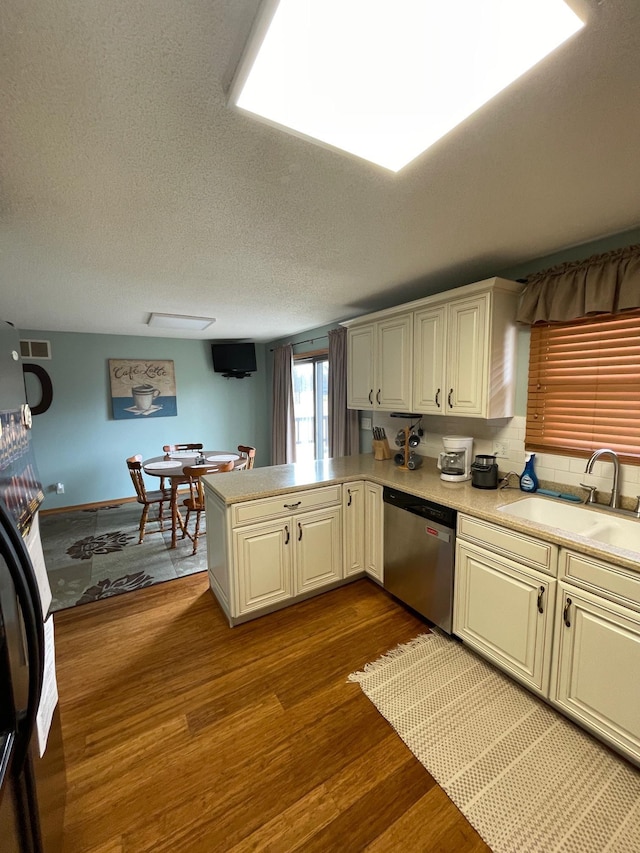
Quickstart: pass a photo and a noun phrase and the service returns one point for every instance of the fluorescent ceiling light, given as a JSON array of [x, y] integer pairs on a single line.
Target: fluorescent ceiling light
[[180, 321], [384, 79]]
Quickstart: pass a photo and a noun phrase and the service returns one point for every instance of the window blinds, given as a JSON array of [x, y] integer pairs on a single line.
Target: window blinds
[[584, 386]]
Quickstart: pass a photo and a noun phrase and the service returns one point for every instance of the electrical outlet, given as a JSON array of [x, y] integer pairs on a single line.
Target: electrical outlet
[[60, 488], [500, 449], [366, 423]]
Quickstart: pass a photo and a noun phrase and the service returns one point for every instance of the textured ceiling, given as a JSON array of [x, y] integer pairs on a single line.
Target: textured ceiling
[[127, 185]]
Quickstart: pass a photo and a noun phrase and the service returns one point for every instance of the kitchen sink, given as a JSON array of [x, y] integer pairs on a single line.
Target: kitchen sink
[[604, 527]]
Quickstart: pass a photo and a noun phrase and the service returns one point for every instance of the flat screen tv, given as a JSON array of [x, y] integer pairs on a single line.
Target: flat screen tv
[[234, 360]]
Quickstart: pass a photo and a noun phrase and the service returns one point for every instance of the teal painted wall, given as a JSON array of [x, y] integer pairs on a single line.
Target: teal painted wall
[[575, 253], [77, 441]]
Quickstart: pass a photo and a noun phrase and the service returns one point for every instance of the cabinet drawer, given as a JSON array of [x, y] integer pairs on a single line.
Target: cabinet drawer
[[517, 546], [265, 509], [613, 582]]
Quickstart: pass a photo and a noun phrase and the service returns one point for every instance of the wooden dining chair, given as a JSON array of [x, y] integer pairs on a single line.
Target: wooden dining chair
[[249, 453], [172, 448], [147, 499], [195, 502]]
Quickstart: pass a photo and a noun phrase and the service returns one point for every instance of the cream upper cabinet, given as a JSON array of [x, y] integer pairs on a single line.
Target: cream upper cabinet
[[467, 357], [449, 354], [360, 366], [464, 353], [430, 327], [379, 364], [394, 361]]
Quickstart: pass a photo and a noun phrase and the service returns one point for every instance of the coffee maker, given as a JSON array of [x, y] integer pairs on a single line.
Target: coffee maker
[[454, 463]]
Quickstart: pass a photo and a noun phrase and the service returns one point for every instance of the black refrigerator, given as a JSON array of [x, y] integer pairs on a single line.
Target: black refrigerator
[[32, 774]]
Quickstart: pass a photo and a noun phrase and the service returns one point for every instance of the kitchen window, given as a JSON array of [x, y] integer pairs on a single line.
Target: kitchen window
[[584, 386], [311, 405]]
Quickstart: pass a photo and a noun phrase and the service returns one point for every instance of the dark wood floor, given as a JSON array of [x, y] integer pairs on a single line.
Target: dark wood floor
[[187, 736]]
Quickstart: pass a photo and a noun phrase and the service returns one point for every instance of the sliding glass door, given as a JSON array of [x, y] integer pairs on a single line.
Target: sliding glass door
[[311, 406]]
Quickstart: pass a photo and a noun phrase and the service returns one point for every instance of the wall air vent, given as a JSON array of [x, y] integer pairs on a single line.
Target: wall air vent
[[35, 349]]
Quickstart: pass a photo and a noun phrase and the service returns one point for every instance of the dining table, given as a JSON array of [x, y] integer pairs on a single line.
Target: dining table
[[172, 465]]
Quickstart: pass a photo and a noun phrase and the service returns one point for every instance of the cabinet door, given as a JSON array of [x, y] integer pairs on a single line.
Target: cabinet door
[[374, 531], [467, 355], [360, 364], [394, 362], [263, 564], [429, 335], [353, 502], [217, 557], [318, 549], [506, 613], [597, 654]]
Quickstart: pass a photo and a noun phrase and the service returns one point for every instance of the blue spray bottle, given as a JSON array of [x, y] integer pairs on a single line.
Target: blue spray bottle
[[528, 478]]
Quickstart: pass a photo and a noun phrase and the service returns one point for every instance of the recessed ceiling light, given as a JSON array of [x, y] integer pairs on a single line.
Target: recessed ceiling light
[[384, 79], [180, 321]]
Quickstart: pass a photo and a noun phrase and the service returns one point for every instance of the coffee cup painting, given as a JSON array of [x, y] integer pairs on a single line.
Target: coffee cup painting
[[142, 388]]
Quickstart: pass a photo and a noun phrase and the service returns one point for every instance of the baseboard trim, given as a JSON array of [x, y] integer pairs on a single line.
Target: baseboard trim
[[78, 507]]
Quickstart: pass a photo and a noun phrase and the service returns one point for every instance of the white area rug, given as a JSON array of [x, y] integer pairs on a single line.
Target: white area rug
[[523, 775]]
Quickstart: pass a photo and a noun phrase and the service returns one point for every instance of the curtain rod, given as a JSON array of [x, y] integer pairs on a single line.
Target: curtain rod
[[308, 341]]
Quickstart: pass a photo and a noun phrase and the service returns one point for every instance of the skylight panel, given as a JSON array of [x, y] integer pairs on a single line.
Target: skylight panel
[[384, 79]]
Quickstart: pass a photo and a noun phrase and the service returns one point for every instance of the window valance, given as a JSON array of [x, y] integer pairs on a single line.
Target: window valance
[[602, 284]]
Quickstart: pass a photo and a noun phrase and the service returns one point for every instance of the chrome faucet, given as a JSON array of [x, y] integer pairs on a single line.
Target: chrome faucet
[[613, 500]]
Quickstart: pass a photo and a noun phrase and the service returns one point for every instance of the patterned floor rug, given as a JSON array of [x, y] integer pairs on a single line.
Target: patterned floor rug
[[94, 554], [523, 775]]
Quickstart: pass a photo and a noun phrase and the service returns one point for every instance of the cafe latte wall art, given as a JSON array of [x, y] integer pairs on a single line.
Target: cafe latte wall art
[[142, 388]]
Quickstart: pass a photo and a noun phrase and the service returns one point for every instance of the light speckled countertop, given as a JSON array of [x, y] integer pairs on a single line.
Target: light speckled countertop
[[424, 482]]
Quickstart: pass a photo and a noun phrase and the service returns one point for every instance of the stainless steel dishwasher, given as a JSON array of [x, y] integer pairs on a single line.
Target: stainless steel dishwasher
[[419, 543]]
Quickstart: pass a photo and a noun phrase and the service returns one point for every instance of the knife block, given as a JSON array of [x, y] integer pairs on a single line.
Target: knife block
[[381, 449]]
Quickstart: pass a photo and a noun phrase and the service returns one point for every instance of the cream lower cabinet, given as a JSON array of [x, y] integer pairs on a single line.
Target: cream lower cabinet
[[353, 513], [363, 529], [287, 558], [263, 560], [266, 552], [317, 558], [596, 677], [374, 532], [504, 608]]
